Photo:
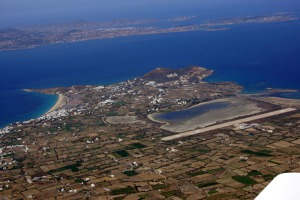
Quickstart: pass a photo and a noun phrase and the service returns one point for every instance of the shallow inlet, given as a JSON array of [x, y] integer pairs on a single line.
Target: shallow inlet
[[206, 114], [178, 116]]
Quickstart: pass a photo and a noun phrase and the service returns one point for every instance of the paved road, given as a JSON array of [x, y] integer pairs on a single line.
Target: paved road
[[226, 124]]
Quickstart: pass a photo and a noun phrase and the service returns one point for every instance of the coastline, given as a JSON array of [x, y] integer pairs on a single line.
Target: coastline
[[61, 101], [152, 118]]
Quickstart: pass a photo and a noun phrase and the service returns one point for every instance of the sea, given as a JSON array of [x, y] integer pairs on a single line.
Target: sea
[[257, 56]]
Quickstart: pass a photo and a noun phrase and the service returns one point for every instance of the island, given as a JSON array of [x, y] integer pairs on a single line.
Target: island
[[112, 141], [35, 36]]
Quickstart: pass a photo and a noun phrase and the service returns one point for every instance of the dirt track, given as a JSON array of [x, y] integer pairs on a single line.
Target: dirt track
[[226, 124]]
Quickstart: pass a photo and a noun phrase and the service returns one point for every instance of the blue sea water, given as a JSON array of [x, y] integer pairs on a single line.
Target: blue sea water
[[256, 56]]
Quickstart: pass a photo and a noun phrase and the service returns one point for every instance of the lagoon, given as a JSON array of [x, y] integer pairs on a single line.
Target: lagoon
[[206, 114]]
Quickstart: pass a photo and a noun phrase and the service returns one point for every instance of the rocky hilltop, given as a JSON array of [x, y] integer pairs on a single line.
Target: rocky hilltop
[[191, 74]]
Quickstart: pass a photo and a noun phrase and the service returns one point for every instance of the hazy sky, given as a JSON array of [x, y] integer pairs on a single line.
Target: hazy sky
[[16, 13]]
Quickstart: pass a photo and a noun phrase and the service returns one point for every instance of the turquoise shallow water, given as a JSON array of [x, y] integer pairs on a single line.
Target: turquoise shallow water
[[25, 105], [256, 56]]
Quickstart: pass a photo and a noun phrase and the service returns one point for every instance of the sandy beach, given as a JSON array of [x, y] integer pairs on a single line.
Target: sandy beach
[[60, 102]]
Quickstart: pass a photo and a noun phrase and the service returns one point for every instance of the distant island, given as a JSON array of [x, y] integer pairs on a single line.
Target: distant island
[[31, 37]]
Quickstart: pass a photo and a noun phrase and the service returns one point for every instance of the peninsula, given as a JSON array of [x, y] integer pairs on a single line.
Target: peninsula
[[101, 143]]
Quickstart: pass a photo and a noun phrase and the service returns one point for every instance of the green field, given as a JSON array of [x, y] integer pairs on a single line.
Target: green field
[[122, 153], [138, 145], [159, 186], [196, 173], [202, 185], [244, 179], [127, 190], [130, 173], [254, 173], [262, 153]]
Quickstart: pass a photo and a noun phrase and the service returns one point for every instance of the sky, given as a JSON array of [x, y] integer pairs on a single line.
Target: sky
[[20, 13]]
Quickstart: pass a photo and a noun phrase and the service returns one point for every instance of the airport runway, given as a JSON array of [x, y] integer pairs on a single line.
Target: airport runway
[[226, 124]]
